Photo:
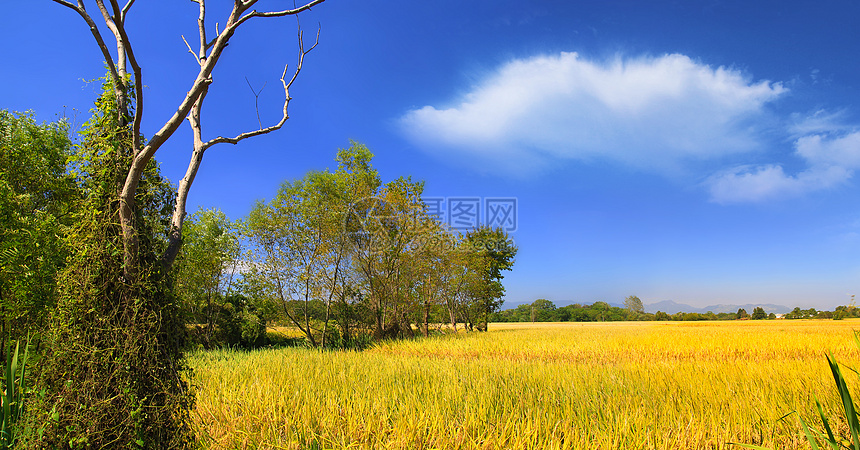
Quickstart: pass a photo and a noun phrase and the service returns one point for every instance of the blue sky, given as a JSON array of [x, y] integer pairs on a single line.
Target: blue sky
[[701, 152]]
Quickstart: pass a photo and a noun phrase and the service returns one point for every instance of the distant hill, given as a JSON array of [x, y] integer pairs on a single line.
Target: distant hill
[[671, 307]]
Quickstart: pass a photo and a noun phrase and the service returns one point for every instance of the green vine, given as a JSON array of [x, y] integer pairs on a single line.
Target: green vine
[[113, 366]]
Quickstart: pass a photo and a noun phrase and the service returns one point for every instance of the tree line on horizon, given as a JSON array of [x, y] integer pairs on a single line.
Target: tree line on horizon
[[543, 310]]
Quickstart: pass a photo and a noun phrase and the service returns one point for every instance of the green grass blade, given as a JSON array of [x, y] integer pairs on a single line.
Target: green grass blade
[[857, 338], [813, 442], [830, 436], [18, 411], [754, 447], [847, 402], [9, 381]]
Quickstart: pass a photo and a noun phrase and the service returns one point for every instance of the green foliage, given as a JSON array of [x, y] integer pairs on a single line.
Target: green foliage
[[542, 310], [634, 306], [238, 324], [12, 395], [493, 251], [341, 255], [602, 312], [204, 272], [810, 313], [758, 313], [300, 245], [38, 199], [113, 362]]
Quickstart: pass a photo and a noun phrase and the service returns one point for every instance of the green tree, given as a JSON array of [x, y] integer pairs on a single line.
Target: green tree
[[492, 251], [758, 313], [543, 310], [634, 306], [38, 198], [290, 235], [204, 273], [342, 252], [742, 314], [312, 241], [795, 313]]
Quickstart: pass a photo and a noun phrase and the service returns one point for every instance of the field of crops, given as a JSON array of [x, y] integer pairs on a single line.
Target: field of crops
[[663, 385]]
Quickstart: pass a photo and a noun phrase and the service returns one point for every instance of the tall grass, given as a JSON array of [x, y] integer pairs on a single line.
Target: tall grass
[[12, 394], [554, 386]]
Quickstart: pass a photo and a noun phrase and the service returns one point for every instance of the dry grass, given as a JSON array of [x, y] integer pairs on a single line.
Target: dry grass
[[531, 386]]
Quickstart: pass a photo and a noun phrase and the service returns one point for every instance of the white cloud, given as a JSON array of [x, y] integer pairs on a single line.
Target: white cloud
[[820, 121], [831, 161], [821, 149], [755, 184], [652, 113]]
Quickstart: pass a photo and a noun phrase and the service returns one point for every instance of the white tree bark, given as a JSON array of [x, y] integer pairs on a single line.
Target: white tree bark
[[190, 106]]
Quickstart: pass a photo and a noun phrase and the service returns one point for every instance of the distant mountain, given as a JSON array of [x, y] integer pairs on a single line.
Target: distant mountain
[[668, 306], [671, 307]]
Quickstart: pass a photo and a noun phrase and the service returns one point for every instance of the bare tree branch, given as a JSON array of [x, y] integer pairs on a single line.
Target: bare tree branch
[[286, 12], [285, 116], [200, 147], [81, 10], [190, 50], [117, 13], [257, 98], [67, 4], [138, 77], [120, 47], [201, 26], [178, 218], [125, 9]]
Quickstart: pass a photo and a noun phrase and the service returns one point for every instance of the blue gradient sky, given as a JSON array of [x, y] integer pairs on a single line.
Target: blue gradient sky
[[701, 152]]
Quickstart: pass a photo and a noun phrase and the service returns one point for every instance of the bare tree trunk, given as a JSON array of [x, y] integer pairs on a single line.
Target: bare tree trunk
[[426, 328], [308, 329], [332, 287], [293, 319]]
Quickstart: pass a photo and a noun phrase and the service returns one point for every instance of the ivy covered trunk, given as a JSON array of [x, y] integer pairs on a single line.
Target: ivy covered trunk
[[113, 368]]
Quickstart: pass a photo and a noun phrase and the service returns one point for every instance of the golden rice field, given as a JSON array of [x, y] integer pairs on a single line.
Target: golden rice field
[[628, 385]]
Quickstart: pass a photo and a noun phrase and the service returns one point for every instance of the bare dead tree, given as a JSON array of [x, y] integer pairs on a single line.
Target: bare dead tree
[[208, 54]]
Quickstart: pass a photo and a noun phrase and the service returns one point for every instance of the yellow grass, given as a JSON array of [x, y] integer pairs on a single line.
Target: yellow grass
[[532, 386]]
